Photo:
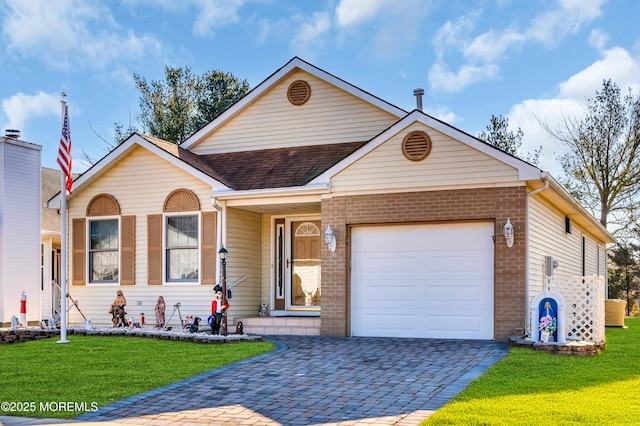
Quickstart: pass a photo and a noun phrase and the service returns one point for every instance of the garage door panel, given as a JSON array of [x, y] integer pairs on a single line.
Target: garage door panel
[[463, 294], [439, 278], [377, 296], [373, 266], [461, 325], [380, 323]]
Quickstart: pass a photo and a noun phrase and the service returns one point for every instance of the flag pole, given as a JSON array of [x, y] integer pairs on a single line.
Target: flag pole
[[63, 243]]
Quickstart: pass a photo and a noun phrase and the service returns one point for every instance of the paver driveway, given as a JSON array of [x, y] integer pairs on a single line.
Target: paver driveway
[[317, 381]]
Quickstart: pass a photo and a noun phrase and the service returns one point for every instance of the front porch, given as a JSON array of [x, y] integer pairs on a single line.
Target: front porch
[[270, 325]]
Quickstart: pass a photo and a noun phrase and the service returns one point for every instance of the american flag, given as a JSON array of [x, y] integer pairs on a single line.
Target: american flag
[[64, 152]]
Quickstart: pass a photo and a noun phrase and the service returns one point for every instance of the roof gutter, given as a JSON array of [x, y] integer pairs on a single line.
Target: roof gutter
[[271, 192], [550, 182]]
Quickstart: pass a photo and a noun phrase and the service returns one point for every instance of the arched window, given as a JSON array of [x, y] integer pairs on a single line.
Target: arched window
[[103, 228], [182, 236]]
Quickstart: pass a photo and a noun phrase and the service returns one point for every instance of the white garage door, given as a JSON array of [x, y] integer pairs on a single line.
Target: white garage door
[[431, 281]]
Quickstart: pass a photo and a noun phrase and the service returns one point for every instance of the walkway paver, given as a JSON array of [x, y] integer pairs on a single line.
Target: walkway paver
[[316, 381]]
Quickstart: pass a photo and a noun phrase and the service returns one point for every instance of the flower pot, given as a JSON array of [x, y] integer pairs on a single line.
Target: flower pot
[[544, 336]]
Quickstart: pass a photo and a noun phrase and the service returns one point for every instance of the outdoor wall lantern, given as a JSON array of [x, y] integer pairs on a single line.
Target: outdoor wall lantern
[[330, 239], [223, 258], [508, 233]]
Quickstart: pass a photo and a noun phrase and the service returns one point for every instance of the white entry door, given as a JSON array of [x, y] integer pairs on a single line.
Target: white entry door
[[429, 281]]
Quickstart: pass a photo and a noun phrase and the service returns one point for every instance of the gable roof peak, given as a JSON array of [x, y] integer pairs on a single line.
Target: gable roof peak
[[274, 79]]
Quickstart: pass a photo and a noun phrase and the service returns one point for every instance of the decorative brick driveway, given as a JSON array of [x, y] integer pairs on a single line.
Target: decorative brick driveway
[[317, 381]]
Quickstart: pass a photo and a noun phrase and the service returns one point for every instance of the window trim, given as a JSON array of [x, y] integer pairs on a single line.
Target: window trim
[[89, 276], [165, 266]]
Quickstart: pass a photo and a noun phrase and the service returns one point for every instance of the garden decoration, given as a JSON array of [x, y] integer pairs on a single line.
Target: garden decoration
[[218, 307], [548, 324], [159, 310], [263, 310], [176, 307], [14, 322]]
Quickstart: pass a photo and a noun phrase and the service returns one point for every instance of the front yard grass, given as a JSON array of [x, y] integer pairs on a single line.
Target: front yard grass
[[529, 387], [99, 370]]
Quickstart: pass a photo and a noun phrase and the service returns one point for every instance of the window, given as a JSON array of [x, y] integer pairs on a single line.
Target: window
[[103, 251], [182, 248]]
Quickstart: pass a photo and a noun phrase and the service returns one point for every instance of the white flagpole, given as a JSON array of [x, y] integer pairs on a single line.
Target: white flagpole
[[63, 242]]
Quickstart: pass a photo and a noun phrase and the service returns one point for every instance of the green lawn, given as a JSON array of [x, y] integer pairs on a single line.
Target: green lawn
[[99, 370], [529, 387]]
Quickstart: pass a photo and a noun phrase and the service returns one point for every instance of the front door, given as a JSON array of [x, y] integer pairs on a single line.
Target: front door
[[297, 272]]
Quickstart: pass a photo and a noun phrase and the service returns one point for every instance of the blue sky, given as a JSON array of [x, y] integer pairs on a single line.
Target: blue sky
[[519, 59]]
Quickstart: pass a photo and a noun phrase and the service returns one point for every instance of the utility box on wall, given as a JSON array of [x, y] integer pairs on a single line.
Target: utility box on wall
[[20, 227]]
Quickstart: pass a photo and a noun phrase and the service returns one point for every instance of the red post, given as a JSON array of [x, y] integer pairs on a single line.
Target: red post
[[23, 309]]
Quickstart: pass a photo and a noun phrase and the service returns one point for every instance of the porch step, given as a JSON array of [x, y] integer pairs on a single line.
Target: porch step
[[284, 326]]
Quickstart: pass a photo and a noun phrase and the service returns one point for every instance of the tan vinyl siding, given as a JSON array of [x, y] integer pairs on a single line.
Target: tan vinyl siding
[[244, 242], [330, 116], [140, 183], [547, 237], [267, 260], [95, 300], [450, 164]]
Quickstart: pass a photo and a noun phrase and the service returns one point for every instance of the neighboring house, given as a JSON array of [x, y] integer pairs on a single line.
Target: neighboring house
[[50, 258], [20, 209], [417, 209]]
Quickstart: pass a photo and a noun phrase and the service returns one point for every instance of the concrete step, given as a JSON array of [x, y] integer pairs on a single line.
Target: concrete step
[[285, 326]]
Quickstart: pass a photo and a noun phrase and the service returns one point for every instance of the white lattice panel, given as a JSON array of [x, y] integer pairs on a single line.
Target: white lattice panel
[[584, 297]]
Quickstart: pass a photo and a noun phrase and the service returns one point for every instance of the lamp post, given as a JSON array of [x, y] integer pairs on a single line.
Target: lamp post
[[223, 261]]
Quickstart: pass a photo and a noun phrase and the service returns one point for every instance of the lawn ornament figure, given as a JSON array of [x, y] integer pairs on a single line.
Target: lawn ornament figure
[[195, 325], [263, 310], [239, 328], [118, 317], [14, 322], [159, 310], [217, 308], [52, 324]]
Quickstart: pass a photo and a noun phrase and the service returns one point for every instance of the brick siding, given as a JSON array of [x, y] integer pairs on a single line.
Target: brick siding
[[484, 204]]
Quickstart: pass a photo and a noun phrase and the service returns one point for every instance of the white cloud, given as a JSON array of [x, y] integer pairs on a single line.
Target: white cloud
[[529, 114], [443, 113], [491, 45], [309, 39], [20, 108], [215, 13], [481, 54], [354, 12], [551, 26], [70, 33], [616, 64], [570, 101], [440, 78], [396, 24], [598, 39]]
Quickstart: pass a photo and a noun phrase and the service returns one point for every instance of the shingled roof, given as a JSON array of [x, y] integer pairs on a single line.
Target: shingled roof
[[265, 168], [277, 168]]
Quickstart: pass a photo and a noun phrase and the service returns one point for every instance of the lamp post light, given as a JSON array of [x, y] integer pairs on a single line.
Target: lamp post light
[[223, 261]]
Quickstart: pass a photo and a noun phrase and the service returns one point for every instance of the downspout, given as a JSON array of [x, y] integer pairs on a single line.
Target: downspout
[[545, 179], [219, 228]]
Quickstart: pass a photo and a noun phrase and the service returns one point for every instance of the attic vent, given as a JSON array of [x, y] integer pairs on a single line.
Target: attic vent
[[181, 200], [299, 92], [103, 205], [416, 146]]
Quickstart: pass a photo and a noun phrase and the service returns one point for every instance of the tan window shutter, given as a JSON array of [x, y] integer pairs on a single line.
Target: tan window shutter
[[154, 249], [128, 250], [209, 252], [78, 251]]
